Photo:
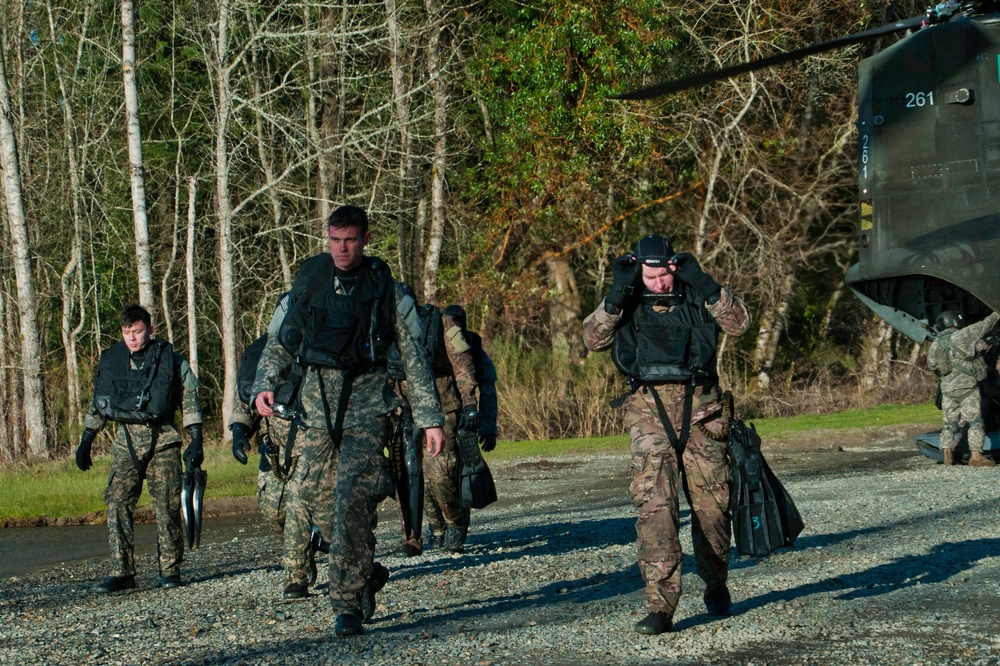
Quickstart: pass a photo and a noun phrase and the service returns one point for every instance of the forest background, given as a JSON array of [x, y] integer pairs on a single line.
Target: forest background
[[184, 153]]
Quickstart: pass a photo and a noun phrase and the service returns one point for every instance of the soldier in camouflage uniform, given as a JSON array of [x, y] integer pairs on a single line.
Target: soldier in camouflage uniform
[[146, 451], [661, 319], [344, 312], [953, 357]]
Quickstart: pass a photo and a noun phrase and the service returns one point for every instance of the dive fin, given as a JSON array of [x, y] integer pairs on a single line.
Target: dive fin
[[187, 505], [477, 487], [200, 480], [415, 485]]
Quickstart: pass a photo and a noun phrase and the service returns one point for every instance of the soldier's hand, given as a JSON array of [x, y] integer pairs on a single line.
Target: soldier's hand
[[701, 286], [435, 440], [194, 456], [469, 420], [241, 442], [625, 274], [83, 459], [263, 403], [488, 442]]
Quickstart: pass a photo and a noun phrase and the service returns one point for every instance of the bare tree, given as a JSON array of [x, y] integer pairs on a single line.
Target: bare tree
[[31, 353], [144, 262], [439, 90]]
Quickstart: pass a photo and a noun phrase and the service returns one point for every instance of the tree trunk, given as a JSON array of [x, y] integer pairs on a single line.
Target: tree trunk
[[877, 356], [565, 316], [192, 320], [313, 111], [31, 353], [227, 314], [438, 163], [400, 95], [772, 325], [144, 262]]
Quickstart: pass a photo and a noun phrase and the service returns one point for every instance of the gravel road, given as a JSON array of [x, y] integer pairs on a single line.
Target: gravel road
[[899, 564]]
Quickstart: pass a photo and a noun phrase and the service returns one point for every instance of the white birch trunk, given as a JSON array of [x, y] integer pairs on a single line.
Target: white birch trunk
[[438, 161], [190, 277], [772, 325], [144, 261], [227, 314], [31, 368], [401, 98]]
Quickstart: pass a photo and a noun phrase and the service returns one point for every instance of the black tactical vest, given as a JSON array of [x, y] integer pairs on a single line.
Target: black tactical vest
[[674, 346], [145, 395], [347, 332]]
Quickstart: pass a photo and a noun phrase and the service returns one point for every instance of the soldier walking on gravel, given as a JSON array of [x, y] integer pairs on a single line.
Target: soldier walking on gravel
[[953, 357], [140, 383], [661, 319], [344, 312]]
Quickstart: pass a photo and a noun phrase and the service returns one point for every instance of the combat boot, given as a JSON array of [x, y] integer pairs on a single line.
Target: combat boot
[[372, 586], [169, 582], [348, 625], [717, 600], [949, 456], [296, 591], [116, 584], [454, 539], [977, 459], [654, 624]]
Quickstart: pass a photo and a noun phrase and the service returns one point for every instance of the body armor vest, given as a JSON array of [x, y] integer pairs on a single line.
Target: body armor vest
[[678, 345], [145, 395], [347, 332]]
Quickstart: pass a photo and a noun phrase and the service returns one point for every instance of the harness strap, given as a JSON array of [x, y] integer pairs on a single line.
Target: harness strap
[[678, 441], [336, 427]]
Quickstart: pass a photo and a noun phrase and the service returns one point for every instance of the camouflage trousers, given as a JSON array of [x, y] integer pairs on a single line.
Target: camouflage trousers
[[963, 405], [656, 481], [163, 474], [339, 491], [442, 494]]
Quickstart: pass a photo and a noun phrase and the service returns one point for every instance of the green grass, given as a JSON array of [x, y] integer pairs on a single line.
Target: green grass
[[58, 489]]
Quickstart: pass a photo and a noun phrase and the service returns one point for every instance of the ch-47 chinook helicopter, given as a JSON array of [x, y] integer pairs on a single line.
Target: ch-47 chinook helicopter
[[928, 172]]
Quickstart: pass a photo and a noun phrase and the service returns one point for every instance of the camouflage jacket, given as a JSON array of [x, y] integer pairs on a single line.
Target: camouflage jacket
[[459, 390], [952, 356], [186, 384], [729, 312], [371, 394]]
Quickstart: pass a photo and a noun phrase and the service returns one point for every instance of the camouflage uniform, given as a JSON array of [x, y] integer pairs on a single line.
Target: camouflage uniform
[[160, 445], [657, 477], [442, 495], [953, 357], [339, 489]]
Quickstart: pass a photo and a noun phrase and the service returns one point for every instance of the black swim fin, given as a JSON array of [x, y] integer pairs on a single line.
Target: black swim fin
[[475, 479]]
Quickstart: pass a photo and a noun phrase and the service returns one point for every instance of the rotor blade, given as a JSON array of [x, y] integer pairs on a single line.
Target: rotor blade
[[702, 78]]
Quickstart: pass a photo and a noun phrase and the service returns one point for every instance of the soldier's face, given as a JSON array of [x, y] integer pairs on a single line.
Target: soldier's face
[[657, 279], [136, 336], [347, 245]]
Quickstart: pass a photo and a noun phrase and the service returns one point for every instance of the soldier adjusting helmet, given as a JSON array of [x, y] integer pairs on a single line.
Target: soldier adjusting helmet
[[949, 319]]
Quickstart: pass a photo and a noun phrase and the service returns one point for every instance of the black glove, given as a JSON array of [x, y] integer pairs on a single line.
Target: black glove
[[469, 420], [488, 442], [625, 274], [701, 286], [194, 456], [241, 442], [83, 459]]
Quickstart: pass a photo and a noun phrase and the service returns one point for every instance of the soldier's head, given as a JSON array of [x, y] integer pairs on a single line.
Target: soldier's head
[[137, 327], [655, 254], [949, 319], [347, 228], [456, 312]]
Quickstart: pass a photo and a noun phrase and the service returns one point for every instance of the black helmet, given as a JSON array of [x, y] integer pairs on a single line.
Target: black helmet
[[949, 319], [653, 251], [456, 312]]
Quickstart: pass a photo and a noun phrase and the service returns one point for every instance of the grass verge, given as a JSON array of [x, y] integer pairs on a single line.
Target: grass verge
[[58, 489]]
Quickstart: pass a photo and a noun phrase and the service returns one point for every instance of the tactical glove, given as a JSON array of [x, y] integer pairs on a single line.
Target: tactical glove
[[625, 274], [701, 286], [488, 442], [469, 420], [83, 459], [194, 456], [241, 442]]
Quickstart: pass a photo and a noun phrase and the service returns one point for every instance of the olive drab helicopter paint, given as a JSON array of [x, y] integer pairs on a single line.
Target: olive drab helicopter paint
[[928, 169], [928, 163]]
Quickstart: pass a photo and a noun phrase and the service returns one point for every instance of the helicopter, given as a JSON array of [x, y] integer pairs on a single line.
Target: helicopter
[[928, 172]]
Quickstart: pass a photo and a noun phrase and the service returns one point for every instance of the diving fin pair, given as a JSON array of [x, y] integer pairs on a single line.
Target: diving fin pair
[[475, 479], [764, 516], [192, 497]]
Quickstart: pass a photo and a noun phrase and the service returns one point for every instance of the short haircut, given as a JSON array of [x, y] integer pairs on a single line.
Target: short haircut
[[348, 216], [133, 314]]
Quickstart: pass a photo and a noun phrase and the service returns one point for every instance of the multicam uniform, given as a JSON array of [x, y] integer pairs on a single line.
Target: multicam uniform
[[340, 488], [157, 447], [953, 357], [656, 475]]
